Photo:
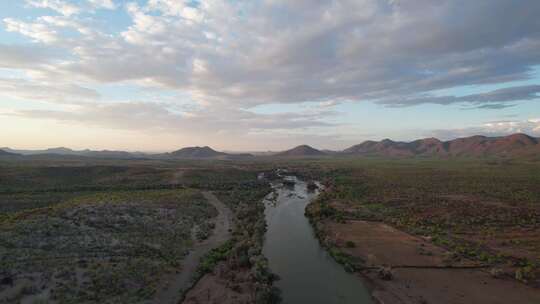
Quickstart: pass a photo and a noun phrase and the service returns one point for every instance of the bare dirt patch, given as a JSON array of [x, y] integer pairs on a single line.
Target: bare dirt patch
[[379, 244], [223, 287]]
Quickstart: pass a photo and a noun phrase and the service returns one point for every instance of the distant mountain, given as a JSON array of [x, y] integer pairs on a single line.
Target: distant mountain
[[59, 150], [385, 147], [188, 153], [197, 152], [5, 153], [474, 146], [303, 150], [69, 152], [111, 154], [204, 153], [516, 145]]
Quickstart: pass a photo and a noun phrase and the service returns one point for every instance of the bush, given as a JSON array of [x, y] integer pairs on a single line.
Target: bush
[[213, 257], [271, 295]]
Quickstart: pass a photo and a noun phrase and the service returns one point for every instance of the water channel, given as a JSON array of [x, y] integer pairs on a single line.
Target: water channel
[[308, 273]]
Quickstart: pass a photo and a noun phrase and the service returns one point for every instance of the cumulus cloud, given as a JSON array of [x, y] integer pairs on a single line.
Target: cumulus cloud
[[107, 4], [232, 55], [48, 30], [62, 7], [37, 31], [249, 53], [183, 9]]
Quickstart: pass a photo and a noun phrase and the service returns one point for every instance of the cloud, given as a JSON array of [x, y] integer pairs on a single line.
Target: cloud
[[240, 129], [496, 106], [49, 29], [492, 128], [60, 93], [496, 99], [148, 116], [183, 9], [59, 6], [229, 56], [23, 57], [37, 31], [244, 53], [107, 4]]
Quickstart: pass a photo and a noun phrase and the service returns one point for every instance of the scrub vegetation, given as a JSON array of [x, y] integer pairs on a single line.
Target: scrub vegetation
[[104, 232], [99, 247], [484, 211], [237, 272], [99, 231], [72, 233]]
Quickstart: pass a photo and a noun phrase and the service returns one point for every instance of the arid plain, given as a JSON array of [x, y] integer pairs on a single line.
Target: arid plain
[[434, 226]]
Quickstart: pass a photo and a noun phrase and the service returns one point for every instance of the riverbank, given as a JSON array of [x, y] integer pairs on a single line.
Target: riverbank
[[403, 268], [237, 272]]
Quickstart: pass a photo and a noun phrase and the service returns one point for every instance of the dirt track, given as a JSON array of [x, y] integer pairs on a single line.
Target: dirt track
[[171, 293]]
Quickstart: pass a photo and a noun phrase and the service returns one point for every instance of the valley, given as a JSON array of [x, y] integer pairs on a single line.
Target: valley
[[266, 152], [198, 229]]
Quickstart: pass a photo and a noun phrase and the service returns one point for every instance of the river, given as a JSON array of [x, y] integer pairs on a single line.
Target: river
[[308, 273]]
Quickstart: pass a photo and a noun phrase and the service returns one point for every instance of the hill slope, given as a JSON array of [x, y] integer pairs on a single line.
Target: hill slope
[[512, 145]]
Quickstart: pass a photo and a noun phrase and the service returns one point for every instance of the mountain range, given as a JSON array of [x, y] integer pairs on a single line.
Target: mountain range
[[516, 145], [474, 146], [5, 153], [70, 152]]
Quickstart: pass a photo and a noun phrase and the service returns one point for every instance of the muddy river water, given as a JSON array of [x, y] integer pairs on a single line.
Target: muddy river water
[[308, 274]]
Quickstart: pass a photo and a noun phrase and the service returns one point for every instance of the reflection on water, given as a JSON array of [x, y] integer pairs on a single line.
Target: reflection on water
[[308, 274]]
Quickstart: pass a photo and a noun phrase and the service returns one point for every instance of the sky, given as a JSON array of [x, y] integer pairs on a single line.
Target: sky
[[158, 75]]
